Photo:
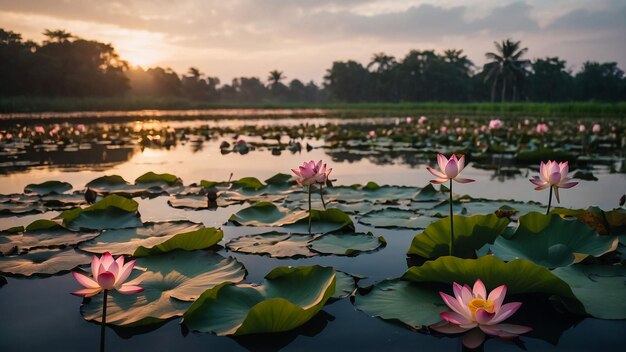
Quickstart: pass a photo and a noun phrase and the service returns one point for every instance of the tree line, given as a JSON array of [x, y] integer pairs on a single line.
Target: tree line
[[64, 65]]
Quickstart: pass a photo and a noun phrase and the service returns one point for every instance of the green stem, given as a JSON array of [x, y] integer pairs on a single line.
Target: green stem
[[451, 221], [549, 201], [322, 195], [310, 214], [104, 320]]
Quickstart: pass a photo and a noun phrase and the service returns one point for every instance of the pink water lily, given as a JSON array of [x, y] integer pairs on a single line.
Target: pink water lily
[[450, 169], [495, 124], [108, 274], [553, 174], [473, 309], [311, 172], [541, 128]]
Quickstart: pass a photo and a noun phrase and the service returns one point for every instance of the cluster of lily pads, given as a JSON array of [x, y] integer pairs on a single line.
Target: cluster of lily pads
[[573, 257]]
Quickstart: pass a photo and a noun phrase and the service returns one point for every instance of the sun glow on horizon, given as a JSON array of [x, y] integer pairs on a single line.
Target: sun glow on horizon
[[140, 48]]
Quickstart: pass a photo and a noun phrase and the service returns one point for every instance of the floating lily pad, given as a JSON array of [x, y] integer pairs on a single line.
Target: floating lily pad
[[274, 244], [600, 288], [323, 221], [470, 234], [108, 182], [280, 179], [347, 244], [413, 304], [20, 208], [345, 286], [429, 193], [519, 275], [43, 233], [56, 201], [396, 218], [197, 202], [265, 214], [251, 183], [171, 281], [48, 187], [154, 238], [611, 222], [111, 212], [43, 262], [551, 241], [288, 298], [153, 179]]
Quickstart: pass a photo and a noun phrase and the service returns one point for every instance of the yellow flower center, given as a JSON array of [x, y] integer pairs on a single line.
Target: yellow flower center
[[479, 303]]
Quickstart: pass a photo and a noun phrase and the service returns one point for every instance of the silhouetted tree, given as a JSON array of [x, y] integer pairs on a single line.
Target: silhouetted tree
[[506, 68], [601, 82], [348, 81], [549, 80]]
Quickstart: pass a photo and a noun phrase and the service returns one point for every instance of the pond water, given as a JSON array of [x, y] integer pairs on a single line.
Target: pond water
[[39, 313]]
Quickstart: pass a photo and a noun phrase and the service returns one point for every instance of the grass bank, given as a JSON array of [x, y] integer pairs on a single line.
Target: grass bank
[[582, 109]]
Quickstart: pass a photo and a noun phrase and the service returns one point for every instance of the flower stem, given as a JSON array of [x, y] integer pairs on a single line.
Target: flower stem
[[104, 320], [451, 221], [549, 201], [322, 195], [310, 209]]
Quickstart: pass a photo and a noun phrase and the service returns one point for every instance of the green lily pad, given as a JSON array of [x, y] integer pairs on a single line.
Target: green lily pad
[[111, 212], [170, 281], [396, 218], [43, 233], [60, 201], [413, 304], [428, 194], [600, 288], [550, 241], [155, 238], [43, 262], [197, 202], [265, 214], [279, 179], [152, 178], [345, 285], [274, 244], [107, 182], [323, 221], [20, 208], [611, 222], [48, 187], [470, 234], [519, 275], [288, 298], [251, 183], [347, 244]]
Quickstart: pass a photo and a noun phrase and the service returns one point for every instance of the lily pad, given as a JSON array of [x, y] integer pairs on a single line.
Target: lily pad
[[274, 244], [20, 208], [347, 244], [413, 304], [43, 233], [429, 193], [48, 187], [154, 238], [552, 241], [600, 288], [519, 275], [171, 281], [280, 179], [251, 183], [396, 218], [111, 212], [470, 234], [197, 202], [265, 214], [43, 262], [345, 286], [153, 179], [323, 221], [288, 298]]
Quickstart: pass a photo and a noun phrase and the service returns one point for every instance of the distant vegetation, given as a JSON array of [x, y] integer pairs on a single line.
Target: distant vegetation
[[64, 66]]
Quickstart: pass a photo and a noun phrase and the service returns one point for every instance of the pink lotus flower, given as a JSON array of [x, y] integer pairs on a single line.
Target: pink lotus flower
[[80, 128], [541, 128], [310, 173], [450, 169], [495, 124], [39, 129], [409, 120], [372, 134], [107, 274], [443, 129], [526, 122], [473, 308], [422, 120], [596, 128], [581, 128], [553, 174]]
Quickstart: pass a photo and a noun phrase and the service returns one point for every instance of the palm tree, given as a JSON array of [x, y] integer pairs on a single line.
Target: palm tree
[[506, 67], [57, 36], [382, 61], [275, 77]]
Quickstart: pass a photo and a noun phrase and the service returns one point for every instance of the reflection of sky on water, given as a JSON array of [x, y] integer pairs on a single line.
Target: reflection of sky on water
[[39, 313]]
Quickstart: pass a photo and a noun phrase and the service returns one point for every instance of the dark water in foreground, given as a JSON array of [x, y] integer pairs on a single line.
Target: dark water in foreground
[[39, 313]]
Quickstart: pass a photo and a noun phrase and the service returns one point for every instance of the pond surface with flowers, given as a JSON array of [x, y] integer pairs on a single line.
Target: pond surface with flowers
[[215, 201]]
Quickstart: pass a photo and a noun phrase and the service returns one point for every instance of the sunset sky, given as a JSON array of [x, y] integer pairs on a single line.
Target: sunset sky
[[229, 38]]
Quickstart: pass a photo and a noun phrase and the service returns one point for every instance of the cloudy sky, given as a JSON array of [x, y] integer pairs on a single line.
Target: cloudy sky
[[228, 38]]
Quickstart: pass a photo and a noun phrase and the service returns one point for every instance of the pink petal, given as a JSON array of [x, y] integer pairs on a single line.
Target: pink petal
[[506, 311], [455, 318], [318, 166], [436, 173], [106, 280], [479, 289], [462, 163], [85, 281], [497, 296], [555, 178], [439, 181], [564, 168], [538, 181], [452, 169], [474, 338], [453, 303], [129, 289], [114, 269], [445, 327], [306, 172], [87, 292], [296, 172], [106, 260], [568, 185], [463, 180], [483, 317], [541, 188], [466, 294], [442, 162], [95, 266], [126, 270]]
